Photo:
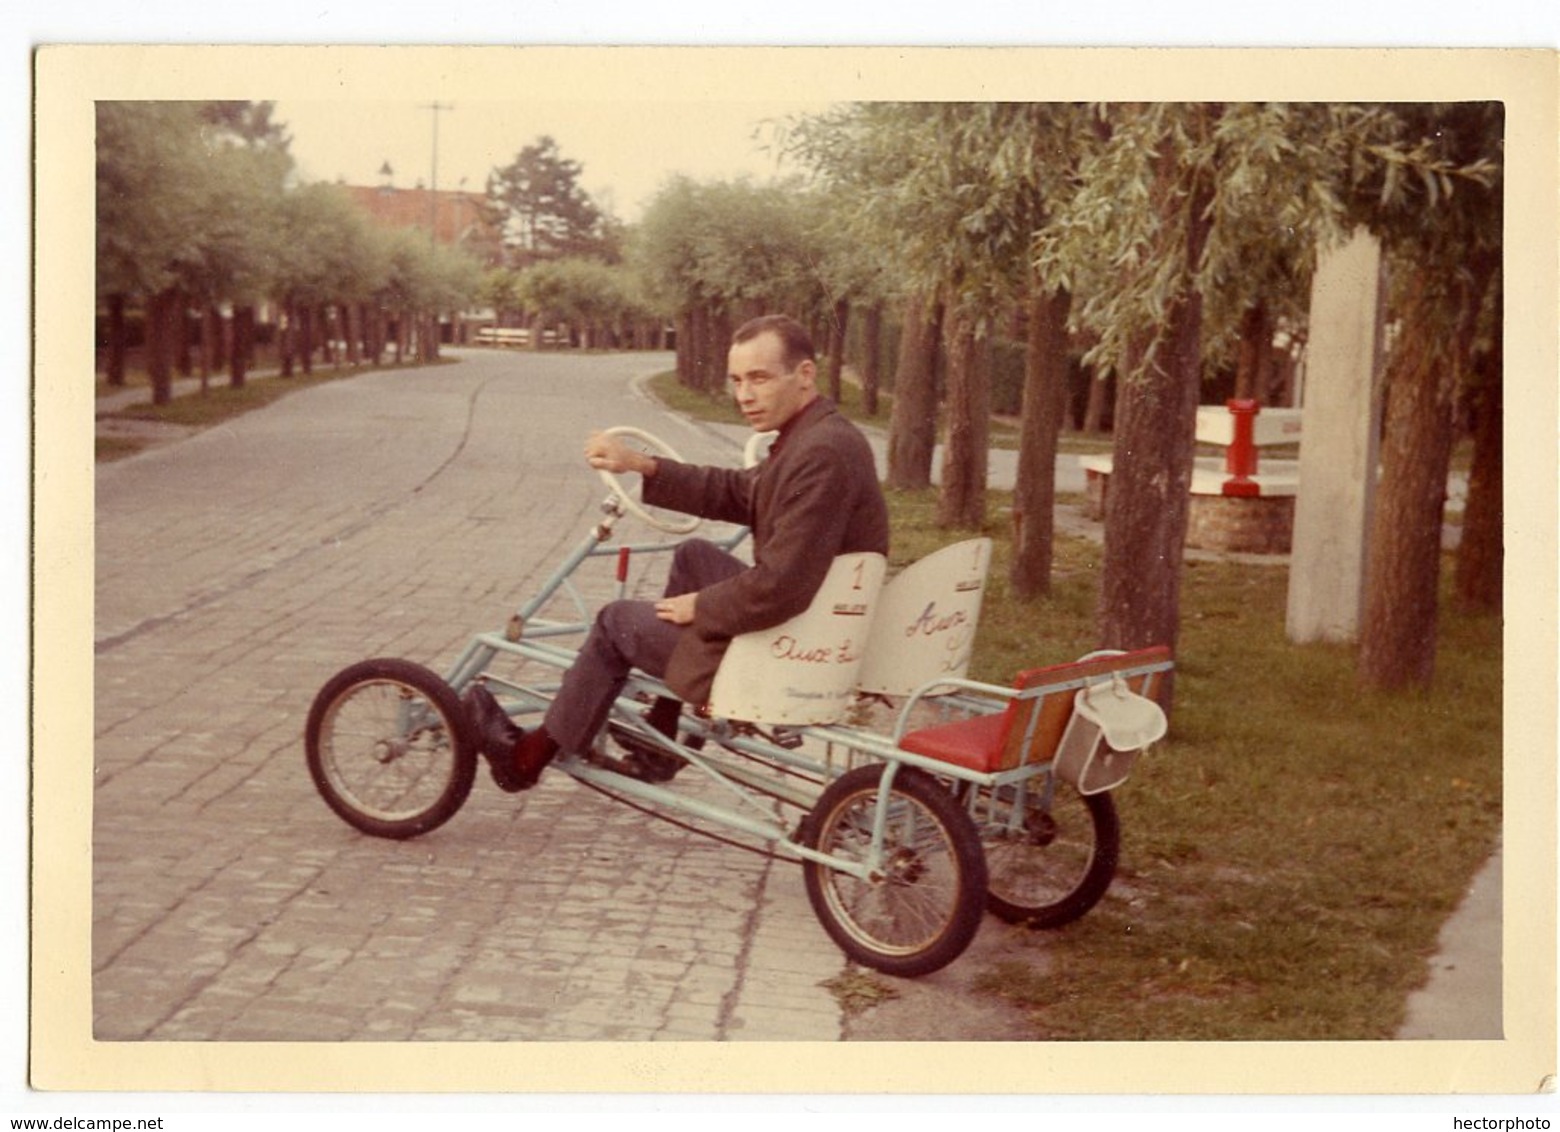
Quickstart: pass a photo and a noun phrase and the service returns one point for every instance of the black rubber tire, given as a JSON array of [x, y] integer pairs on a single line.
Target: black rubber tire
[[1051, 868], [925, 910], [376, 775]]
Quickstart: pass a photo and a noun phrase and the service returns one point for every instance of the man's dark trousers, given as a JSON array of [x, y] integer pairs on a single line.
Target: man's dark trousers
[[628, 635]]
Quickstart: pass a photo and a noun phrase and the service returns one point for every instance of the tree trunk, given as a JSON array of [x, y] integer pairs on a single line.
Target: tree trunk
[[1402, 579], [376, 336], [330, 336], [1480, 555], [718, 348], [872, 359], [220, 345], [183, 336], [1099, 402], [368, 316], [1399, 623], [114, 364], [351, 332], [427, 349], [1256, 346], [687, 372], [1151, 473], [306, 337], [1149, 503], [243, 345], [699, 347], [961, 502], [288, 339], [1046, 366], [161, 312], [207, 350], [837, 325], [912, 429]]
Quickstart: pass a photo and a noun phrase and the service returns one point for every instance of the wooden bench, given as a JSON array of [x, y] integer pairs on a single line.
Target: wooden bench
[[503, 336], [1038, 718]]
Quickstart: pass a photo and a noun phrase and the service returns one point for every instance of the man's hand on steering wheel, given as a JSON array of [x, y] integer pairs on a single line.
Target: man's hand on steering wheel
[[606, 452], [620, 449]]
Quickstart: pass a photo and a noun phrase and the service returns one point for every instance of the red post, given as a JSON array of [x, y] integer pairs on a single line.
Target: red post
[[1240, 458]]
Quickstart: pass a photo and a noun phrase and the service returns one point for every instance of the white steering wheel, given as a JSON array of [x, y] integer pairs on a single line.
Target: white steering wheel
[[754, 451], [676, 526]]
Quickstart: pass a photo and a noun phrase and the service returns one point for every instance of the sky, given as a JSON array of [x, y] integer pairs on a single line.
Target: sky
[[627, 149]]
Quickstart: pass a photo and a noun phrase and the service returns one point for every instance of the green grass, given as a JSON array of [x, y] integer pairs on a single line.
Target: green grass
[[1290, 851]]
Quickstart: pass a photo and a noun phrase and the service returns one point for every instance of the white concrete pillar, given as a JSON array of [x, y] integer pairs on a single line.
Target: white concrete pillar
[[1340, 428]]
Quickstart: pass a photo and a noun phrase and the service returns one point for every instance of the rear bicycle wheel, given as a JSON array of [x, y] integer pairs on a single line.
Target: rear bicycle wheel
[[386, 745], [921, 906], [1050, 854]]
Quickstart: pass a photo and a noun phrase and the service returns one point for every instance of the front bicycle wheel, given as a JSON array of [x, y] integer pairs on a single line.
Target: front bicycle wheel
[[1050, 853], [386, 744], [921, 904]]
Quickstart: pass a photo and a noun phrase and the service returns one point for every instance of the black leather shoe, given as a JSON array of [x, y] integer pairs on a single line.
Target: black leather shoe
[[652, 766], [497, 737], [642, 760]]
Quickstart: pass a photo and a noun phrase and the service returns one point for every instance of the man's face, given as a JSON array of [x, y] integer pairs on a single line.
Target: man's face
[[767, 393]]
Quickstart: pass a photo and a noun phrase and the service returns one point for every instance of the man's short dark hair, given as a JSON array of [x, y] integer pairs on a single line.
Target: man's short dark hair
[[796, 345]]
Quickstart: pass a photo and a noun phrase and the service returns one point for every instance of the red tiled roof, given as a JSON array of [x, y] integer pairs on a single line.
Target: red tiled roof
[[460, 217]]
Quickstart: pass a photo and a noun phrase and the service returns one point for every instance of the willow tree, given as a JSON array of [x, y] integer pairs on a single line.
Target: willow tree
[[1164, 159], [1430, 185], [594, 300], [236, 253], [927, 181], [717, 252], [855, 282], [151, 184], [663, 251], [186, 192], [329, 255], [1176, 207], [1036, 150], [866, 157]]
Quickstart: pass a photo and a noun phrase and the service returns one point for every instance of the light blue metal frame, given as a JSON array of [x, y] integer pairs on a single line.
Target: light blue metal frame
[[532, 639]]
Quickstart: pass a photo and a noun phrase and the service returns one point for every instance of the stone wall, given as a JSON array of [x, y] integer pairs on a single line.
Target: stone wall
[[1238, 524], [1261, 524]]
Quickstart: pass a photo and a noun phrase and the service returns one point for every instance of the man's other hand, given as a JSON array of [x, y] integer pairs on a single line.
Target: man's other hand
[[678, 610]]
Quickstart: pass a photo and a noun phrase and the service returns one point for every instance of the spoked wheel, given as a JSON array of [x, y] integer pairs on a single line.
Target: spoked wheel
[[1049, 860], [387, 748], [921, 905]]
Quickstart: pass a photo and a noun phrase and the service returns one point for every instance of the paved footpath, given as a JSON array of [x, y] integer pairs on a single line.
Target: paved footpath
[[391, 514]]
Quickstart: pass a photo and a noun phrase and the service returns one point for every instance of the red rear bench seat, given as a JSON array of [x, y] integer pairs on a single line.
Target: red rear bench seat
[[997, 741]]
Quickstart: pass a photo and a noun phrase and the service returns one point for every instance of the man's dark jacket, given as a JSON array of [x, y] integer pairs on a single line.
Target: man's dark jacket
[[815, 496]]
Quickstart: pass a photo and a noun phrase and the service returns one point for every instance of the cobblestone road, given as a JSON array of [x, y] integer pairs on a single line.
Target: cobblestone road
[[390, 514]]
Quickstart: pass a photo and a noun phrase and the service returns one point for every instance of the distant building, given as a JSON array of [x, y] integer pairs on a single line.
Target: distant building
[[458, 218]]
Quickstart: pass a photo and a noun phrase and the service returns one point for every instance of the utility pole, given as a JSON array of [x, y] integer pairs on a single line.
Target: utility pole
[[433, 192]]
